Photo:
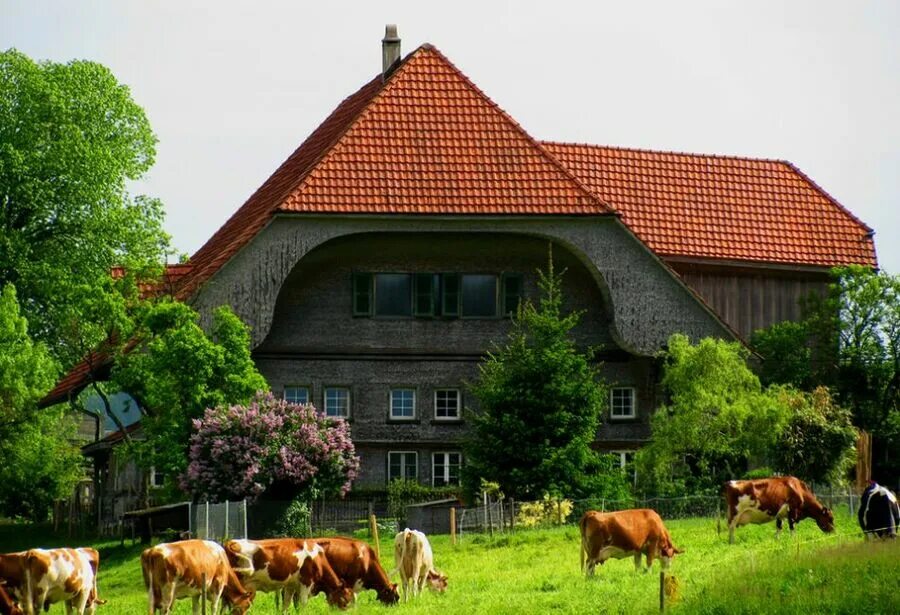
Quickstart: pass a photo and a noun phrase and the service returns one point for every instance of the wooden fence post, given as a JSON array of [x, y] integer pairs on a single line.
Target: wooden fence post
[[453, 525], [373, 528], [662, 591], [512, 514]]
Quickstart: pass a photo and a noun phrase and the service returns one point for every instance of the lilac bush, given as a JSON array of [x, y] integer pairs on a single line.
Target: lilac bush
[[241, 451]]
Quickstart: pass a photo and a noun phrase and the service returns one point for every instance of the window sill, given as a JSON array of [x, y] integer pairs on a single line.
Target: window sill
[[624, 419], [446, 421], [391, 421]]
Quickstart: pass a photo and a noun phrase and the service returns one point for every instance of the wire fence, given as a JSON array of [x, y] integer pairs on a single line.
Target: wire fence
[[219, 521]]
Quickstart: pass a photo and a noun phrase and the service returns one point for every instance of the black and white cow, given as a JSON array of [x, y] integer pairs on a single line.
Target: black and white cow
[[879, 513]]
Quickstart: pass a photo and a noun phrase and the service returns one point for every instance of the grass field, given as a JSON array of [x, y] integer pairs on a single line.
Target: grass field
[[538, 572]]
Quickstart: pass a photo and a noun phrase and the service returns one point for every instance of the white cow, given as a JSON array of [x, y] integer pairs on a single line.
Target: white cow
[[54, 575], [415, 561]]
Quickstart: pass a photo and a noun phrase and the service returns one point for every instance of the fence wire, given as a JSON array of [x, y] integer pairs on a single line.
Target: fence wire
[[220, 521]]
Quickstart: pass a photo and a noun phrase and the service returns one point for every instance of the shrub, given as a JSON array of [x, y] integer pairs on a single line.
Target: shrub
[[296, 520], [403, 492], [241, 451], [546, 511]]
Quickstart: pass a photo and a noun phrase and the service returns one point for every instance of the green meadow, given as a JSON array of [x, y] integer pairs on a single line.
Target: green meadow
[[537, 571]]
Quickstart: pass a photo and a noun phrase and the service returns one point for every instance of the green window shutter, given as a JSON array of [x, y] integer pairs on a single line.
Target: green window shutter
[[362, 294], [450, 296], [424, 292], [513, 285]]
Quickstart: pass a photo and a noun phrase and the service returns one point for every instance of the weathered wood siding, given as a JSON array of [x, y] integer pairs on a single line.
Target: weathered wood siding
[[752, 299]]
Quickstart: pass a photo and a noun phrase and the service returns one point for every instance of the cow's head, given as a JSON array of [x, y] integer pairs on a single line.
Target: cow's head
[[342, 597], [667, 553], [825, 519], [437, 581], [242, 603], [389, 595]]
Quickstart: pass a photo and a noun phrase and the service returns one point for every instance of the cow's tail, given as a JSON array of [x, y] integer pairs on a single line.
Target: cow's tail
[[147, 573], [28, 598]]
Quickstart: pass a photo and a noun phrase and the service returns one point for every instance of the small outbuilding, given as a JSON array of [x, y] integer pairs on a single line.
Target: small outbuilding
[[431, 517]]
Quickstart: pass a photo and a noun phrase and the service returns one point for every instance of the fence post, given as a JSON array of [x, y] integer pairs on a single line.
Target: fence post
[[225, 533], [558, 512], [206, 535], [512, 514], [453, 525], [373, 527], [245, 518], [190, 522], [718, 518], [662, 591]]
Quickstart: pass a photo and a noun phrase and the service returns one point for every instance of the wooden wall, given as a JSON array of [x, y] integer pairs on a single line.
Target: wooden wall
[[752, 298]]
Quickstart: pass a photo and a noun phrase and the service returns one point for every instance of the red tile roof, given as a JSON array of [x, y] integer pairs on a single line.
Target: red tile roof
[[719, 207], [426, 141]]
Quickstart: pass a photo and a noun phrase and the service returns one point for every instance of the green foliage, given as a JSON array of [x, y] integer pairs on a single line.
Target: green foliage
[[403, 492], [177, 371], [786, 354], [718, 419], [38, 462], [540, 401], [71, 137], [296, 521], [852, 346], [818, 442]]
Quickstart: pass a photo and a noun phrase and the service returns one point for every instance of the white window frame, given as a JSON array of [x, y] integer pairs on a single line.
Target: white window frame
[[446, 465], [325, 402], [152, 477], [623, 460], [622, 417], [401, 417], [458, 404], [307, 388], [402, 476]]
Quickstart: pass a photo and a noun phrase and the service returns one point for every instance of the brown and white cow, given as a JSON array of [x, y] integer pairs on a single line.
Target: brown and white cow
[[54, 575], [7, 605], [296, 568], [773, 499], [415, 561], [177, 569], [12, 573], [356, 564], [616, 535]]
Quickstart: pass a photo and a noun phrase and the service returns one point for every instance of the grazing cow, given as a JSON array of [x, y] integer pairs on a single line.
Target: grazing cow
[[7, 606], [415, 561], [293, 567], [623, 533], [767, 499], [177, 569], [879, 513], [54, 575], [12, 573], [355, 563]]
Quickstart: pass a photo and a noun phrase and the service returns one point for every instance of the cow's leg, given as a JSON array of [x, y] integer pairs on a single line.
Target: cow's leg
[[169, 600], [637, 561], [778, 525], [651, 555]]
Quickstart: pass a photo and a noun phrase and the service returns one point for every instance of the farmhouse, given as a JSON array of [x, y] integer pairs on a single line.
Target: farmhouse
[[377, 264]]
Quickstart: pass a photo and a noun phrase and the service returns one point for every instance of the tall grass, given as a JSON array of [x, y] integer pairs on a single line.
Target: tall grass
[[537, 571]]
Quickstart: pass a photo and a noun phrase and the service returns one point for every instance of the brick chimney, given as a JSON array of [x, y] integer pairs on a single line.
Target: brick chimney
[[390, 50]]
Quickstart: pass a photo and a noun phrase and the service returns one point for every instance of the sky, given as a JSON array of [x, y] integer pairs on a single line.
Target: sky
[[231, 89]]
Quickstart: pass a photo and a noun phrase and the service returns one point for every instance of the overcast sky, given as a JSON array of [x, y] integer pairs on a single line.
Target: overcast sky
[[232, 88]]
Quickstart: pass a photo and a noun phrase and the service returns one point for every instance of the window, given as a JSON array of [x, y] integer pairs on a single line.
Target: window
[[479, 295], [337, 402], [445, 469], [450, 294], [403, 404], [157, 479], [512, 292], [403, 465], [446, 404], [296, 395], [362, 294], [393, 294], [621, 401], [425, 291]]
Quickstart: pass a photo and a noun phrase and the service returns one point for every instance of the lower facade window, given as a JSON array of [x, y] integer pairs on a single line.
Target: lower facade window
[[296, 395], [445, 469], [403, 465], [403, 404], [337, 402], [446, 404], [625, 460], [157, 479], [621, 403]]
